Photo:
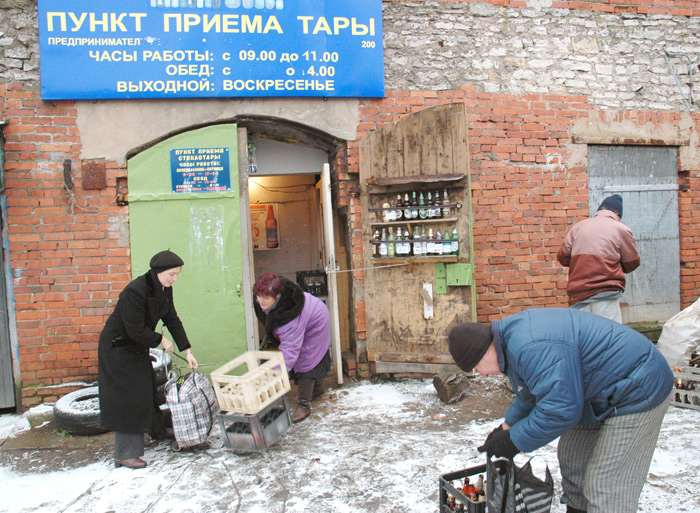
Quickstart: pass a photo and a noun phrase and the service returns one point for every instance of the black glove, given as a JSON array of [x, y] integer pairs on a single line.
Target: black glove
[[492, 433], [499, 444]]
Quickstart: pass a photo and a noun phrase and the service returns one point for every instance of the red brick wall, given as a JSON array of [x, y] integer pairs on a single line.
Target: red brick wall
[[66, 256], [69, 253]]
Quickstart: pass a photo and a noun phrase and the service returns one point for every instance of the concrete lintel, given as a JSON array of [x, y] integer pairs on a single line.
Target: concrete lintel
[[632, 141], [110, 129]]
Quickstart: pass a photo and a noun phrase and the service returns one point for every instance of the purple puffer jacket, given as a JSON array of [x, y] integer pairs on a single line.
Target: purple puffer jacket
[[305, 339]]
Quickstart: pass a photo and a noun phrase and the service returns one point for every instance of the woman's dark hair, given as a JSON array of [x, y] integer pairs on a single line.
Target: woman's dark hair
[[268, 285]]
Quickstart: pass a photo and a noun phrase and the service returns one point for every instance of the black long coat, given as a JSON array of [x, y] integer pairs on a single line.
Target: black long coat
[[125, 372]]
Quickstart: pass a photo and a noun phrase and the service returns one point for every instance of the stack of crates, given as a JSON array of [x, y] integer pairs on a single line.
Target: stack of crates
[[686, 392], [251, 391]]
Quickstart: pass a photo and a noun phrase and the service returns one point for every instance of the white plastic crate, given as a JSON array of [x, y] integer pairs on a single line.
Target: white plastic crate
[[262, 378], [687, 398]]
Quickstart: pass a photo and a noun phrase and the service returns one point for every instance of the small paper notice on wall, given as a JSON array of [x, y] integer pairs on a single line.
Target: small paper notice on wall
[[427, 295]]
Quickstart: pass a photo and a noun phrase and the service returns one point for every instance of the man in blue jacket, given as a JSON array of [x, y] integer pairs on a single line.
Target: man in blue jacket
[[599, 385]]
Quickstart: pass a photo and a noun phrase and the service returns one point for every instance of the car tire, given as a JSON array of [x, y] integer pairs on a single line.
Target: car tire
[[79, 412]]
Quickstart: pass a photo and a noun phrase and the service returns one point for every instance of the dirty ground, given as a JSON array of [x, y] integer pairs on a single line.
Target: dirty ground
[[370, 446]]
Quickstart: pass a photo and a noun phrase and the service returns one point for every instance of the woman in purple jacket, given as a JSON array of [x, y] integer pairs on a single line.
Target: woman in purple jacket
[[299, 325]]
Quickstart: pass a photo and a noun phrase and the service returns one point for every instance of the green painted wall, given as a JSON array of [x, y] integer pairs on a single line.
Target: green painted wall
[[205, 230]]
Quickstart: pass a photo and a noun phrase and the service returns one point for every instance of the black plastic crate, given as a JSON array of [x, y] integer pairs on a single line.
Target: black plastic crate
[[313, 282], [447, 489]]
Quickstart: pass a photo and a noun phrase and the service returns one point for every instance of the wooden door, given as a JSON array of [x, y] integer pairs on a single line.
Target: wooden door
[[428, 150]]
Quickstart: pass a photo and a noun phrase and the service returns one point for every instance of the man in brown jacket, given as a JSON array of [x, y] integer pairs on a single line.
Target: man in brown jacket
[[598, 252]]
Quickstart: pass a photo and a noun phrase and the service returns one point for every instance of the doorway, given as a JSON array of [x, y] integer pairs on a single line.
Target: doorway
[[647, 179], [8, 392], [218, 224], [292, 226]]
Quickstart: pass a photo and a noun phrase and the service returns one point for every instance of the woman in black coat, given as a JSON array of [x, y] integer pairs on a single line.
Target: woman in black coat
[[125, 373]]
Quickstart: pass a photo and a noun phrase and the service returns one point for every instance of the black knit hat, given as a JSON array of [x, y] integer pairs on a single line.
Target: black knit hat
[[612, 203], [165, 260], [468, 344]]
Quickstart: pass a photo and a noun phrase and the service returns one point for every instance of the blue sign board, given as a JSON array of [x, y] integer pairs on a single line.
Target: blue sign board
[[115, 49], [200, 170]]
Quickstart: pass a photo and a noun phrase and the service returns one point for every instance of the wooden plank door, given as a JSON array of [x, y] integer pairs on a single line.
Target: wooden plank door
[[425, 151]]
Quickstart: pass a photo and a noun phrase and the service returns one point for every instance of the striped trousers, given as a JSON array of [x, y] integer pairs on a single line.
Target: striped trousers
[[605, 466]]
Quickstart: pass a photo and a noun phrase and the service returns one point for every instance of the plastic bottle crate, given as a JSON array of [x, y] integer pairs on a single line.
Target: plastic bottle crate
[[446, 489], [257, 432], [687, 398], [264, 381], [313, 282]]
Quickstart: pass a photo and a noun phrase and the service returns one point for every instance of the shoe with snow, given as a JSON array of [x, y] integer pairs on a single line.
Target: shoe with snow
[[300, 414]]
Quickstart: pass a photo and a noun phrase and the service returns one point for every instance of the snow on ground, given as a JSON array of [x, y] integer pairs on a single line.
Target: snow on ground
[[377, 448]]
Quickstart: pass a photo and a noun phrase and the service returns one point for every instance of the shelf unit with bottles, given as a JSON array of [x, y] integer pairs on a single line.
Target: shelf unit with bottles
[[385, 193]]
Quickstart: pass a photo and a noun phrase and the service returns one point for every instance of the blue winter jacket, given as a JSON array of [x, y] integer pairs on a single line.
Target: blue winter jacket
[[570, 367]]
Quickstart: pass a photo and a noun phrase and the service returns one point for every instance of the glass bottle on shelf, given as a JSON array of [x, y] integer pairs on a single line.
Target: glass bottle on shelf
[[398, 213], [375, 244], [422, 211], [430, 204], [431, 243], [447, 242], [383, 245], [424, 241], [438, 205], [391, 246], [445, 204], [414, 205], [406, 206], [398, 247], [417, 244], [455, 241], [438, 242], [386, 213]]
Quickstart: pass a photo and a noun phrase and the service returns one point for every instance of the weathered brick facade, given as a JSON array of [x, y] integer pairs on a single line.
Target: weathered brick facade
[[532, 75]]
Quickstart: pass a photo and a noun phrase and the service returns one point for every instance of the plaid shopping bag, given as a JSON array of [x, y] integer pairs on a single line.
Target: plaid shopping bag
[[193, 407], [513, 489]]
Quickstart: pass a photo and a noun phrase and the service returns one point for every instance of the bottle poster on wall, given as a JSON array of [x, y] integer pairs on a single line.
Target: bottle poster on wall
[[264, 226]]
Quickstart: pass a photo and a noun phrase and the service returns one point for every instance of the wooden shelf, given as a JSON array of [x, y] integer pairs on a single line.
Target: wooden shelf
[[430, 220], [424, 207], [379, 241], [415, 260]]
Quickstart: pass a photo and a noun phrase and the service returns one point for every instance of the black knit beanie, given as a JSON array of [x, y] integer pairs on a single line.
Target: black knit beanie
[[468, 344], [612, 203], [165, 260]]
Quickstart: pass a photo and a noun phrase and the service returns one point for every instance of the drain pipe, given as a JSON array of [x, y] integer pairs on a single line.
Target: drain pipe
[[678, 83]]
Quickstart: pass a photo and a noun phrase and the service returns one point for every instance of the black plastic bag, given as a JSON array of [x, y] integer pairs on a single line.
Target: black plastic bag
[[513, 489]]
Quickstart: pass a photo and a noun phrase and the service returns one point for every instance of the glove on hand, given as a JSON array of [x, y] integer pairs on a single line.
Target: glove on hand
[[499, 444], [492, 433]]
